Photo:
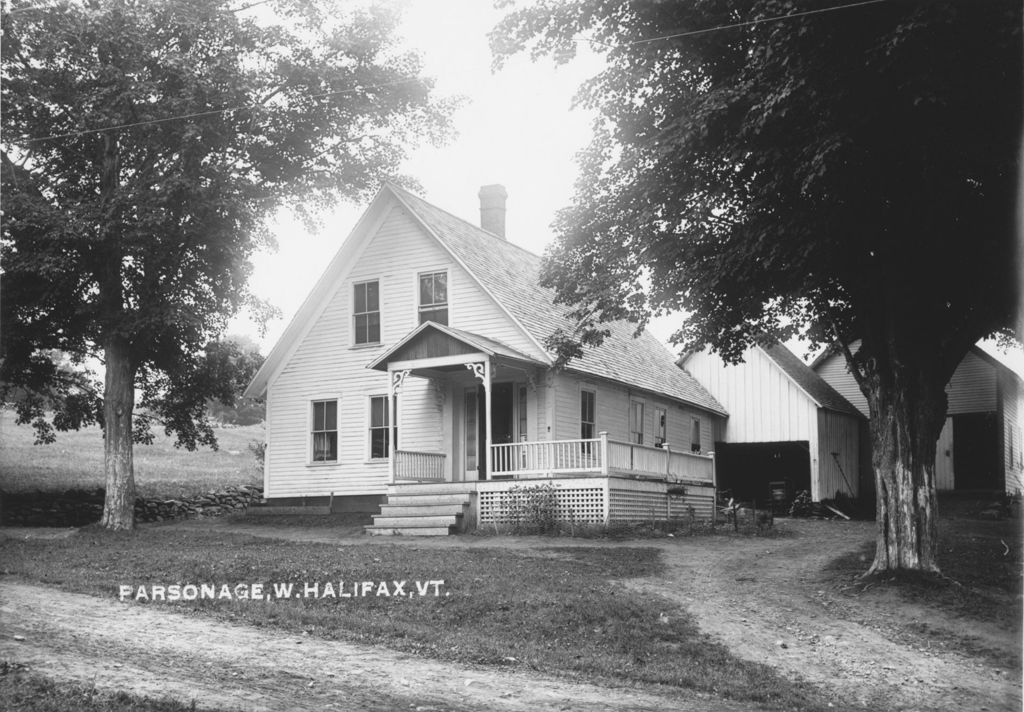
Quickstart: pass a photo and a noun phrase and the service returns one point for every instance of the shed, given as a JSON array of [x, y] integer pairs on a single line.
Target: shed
[[786, 426]]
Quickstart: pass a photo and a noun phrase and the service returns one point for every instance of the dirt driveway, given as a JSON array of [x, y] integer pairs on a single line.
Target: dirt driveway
[[767, 599]]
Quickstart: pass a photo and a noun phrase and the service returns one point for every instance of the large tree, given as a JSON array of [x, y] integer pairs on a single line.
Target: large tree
[[144, 144], [776, 167]]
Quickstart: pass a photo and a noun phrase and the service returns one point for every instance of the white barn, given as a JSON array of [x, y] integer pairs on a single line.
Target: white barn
[[980, 445], [786, 425]]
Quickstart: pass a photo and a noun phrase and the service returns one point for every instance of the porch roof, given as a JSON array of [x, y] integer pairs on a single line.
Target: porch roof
[[430, 340]]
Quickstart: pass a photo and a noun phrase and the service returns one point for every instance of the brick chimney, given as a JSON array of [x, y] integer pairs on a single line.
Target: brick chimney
[[492, 209]]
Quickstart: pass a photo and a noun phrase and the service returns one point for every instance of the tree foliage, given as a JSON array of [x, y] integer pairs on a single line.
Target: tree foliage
[[775, 168], [144, 144], [145, 230], [804, 174]]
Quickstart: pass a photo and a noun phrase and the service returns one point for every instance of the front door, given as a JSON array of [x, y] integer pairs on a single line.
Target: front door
[[503, 424]]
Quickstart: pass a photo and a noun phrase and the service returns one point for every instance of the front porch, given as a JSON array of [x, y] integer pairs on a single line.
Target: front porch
[[564, 458], [482, 425], [442, 508]]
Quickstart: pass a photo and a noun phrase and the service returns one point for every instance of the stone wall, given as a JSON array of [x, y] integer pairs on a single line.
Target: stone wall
[[76, 508]]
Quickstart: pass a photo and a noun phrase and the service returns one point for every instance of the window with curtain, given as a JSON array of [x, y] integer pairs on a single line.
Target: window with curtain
[[325, 431], [434, 297]]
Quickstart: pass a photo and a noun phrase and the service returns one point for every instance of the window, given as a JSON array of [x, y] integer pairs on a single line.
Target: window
[[695, 436], [380, 433], [636, 422], [522, 412], [325, 431], [660, 427], [366, 312], [587, 400], [434, 297]]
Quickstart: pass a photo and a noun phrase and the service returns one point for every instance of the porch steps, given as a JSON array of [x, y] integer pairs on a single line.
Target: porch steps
[[421, 510]]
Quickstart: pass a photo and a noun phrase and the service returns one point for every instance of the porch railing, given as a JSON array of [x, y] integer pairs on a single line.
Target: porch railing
[[541, 458], [598, 456], [420, 466], [659, 461]]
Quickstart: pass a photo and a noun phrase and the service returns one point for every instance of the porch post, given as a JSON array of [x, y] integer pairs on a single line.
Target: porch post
[[604, 452], [487, 410], [391, 426]]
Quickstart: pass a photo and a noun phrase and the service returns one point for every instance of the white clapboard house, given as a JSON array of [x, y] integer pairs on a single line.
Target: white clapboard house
[[416, 377], [979, 448]]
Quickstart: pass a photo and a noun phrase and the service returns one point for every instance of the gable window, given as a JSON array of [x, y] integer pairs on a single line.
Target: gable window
[[636, 422], [660, 427], [695, 436], [325, 431], [434, 297], [380, 433], [366, 312]]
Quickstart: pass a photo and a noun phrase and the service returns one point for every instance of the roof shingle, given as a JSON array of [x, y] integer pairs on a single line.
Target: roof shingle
[[511, 274]]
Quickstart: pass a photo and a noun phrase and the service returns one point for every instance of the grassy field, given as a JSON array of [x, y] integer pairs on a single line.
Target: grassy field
[[560, 610], [75, 461]]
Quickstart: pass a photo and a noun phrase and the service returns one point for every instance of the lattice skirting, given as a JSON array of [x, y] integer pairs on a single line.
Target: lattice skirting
[[597, 500]]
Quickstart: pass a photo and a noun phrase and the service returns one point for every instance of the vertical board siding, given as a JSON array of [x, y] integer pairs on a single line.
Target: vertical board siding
[[944, 457], [1012, 397], [838, 434], [764, 404], [325, 363]]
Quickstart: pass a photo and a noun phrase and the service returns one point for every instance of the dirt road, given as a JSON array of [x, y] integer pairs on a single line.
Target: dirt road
[[157, 652], [767, 599]]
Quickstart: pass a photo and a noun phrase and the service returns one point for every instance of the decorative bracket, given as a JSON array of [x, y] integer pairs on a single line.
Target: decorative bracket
[[397, 379], [478, 370], [531, 382]]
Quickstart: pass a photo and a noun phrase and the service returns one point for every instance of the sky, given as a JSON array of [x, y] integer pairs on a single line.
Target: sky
[[515, 128]]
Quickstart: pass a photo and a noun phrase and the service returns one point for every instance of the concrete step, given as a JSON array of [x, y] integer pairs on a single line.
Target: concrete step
[[428, 499], [415, 509], [431, 488], [407, 531], [444, 520]]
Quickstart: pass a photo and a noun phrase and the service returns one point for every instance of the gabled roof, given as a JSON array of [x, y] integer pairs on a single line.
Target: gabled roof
[[469, 342], [808, 380], [992, 359], [509, 274]]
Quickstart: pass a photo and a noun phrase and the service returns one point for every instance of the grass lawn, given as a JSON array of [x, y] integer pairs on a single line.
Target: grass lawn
[[559, 610], [23, 692], [75, 461]]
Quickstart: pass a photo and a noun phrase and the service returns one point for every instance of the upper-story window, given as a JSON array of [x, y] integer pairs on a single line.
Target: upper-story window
[[695, 435], [366, 312], [434, 297]]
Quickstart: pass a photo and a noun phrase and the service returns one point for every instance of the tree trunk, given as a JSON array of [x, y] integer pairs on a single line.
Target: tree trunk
[[118, 406], [908, 407]]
